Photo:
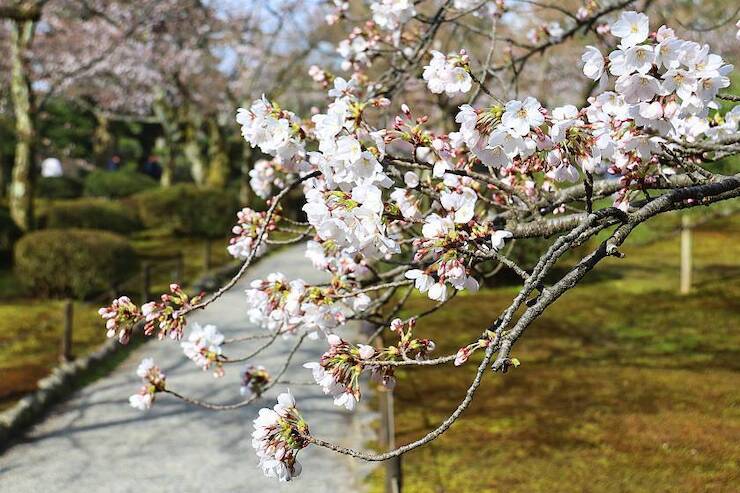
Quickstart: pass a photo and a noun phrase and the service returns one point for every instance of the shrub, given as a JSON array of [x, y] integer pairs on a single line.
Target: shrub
[[9, 232], [92, 214], [191, 211], [73, 262], [116, 184], [59, 187]]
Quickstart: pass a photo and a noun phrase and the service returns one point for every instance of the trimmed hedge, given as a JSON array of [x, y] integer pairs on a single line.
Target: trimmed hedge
[[92, 214], [117, 184], [191, 211], [59, 187], [73, 262], [9, 232]]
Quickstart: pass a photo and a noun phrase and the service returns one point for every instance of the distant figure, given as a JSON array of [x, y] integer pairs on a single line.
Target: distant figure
[[152, 167], [51, 167], [114, 163]]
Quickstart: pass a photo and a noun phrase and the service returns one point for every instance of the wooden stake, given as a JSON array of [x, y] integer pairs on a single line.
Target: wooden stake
[[66, 346], [686, 267]]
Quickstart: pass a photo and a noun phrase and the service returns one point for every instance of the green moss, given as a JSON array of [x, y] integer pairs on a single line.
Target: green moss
[[30, 340]]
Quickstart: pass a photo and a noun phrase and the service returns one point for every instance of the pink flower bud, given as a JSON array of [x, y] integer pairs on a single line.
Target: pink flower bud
[[366, 352], [462, 356]]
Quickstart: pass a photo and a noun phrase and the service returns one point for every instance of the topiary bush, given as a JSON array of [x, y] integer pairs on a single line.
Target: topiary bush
[[117, 184], [92, 213], [59, 187], [191, 211], [73, 262], [9, 233]]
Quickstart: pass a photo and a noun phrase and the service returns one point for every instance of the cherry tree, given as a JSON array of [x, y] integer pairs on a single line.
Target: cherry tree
[[52, 44], [428, 160]]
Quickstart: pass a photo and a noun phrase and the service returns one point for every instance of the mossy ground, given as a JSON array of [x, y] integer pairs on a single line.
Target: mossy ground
[[31, 329], [625, 385]]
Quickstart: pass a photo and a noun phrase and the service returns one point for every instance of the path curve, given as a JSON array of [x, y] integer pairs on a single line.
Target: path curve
[[96, 442]]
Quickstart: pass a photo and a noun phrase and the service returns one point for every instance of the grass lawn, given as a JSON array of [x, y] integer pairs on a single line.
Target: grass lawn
[[30, 329], [624, 386]]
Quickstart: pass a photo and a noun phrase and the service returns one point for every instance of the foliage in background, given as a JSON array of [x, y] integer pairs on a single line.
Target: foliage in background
[[58, 187], [66, 130], [188, 210], [74, 262], [92, 213], [117, 184]]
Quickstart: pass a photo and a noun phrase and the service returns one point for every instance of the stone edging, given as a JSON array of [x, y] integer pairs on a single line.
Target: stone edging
[[52, 388], [63, 380]]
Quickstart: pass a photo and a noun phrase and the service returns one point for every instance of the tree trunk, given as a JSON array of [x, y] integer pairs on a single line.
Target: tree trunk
[[192, 151], [170, 136], [21, 187], [218, 166], [167, 157], [102, 141]]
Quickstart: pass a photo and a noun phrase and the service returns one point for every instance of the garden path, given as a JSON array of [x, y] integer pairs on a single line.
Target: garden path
[[95, 442]]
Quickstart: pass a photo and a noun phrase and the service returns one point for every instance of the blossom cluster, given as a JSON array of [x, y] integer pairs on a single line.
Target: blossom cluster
[[450, 239], [246, 231], [254, 380], [338, 371], [276, 132], [167, 315], [356, 49], [326, 255], [153, 381], [120, 318], [448, 73], [279, 434], [408, 347], [284, 306], [203, 346], [269, 175], [390, 14]]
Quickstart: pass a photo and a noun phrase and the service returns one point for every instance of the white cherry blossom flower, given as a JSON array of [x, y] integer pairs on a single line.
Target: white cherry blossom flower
[[632, 27], [593, 63], [521, 117]]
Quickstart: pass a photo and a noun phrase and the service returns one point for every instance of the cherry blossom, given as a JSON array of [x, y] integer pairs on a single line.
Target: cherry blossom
[[632, 27], [448, 74], [203, 346]]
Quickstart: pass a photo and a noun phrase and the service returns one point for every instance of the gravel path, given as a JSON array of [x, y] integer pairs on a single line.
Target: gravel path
[[95, 442]]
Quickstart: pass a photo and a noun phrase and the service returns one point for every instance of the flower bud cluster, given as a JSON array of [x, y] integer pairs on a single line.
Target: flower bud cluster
[[120, 318], [279, 434], [248, 227], [167, 315], [254, 380], [338, 371], [154, 381]]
